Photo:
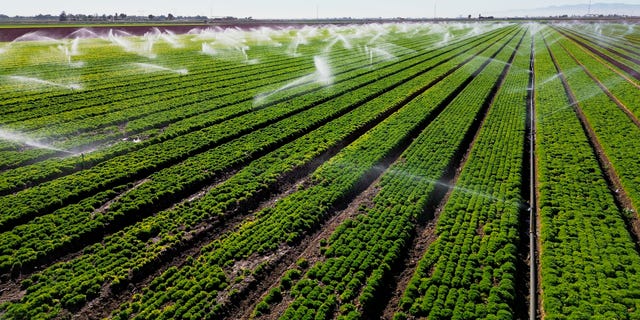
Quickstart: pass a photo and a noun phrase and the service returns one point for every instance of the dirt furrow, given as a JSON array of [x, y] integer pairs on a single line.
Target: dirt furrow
[[425, 230], [604, 88], [609, 59], [308, 248], [207, 231], [621, 197]]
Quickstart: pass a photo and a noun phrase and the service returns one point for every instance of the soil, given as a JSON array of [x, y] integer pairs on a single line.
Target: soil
[[620, 195], [11, 291], [201, 235], [613, 98], [604, 63], [309, 249], [622, 66], [613, 180], [426, 234], [58, 32]]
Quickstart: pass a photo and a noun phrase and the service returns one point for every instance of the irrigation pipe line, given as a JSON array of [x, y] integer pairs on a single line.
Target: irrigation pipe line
[[532, 193]]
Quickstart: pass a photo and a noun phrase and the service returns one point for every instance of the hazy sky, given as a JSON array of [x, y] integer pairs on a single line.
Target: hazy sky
[[287, 8]]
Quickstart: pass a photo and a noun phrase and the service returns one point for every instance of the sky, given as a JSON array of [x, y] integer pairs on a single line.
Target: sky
[[261, 9]]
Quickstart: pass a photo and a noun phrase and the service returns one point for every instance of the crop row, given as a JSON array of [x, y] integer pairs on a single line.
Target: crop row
[[121, 74], [207, 92], [87, 128], [180, 103], [173, 87], [114, 123], [121, 169], [295, 216], [187, 57], [201, 81], [621, 49], [176, 148], [589, 267], [605, 53], [92, 126], [113, 264], [469, 271], [622, 46], [624, 90], [615, 131], [360, 254], [174, 179], [166, 185], [17, 178], [613, 31]]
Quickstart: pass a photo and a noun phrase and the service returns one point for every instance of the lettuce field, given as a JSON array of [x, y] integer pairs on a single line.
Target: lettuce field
[[374, 171]]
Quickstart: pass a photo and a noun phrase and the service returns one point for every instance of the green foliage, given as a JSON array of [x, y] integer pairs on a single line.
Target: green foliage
[[261, 308], [456, 269], [130, 206], [584, 237], [361, 250]]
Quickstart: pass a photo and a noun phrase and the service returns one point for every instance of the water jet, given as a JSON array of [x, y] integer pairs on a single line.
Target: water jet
[[23, 79]]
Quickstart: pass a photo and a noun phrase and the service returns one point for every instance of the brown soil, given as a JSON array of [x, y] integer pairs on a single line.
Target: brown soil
[[604, 63], [613, 98], [612, 178], [308, 249], [609, 59], [110, 298], [58, 32], [426, 234], [11, 291], [610, 174]]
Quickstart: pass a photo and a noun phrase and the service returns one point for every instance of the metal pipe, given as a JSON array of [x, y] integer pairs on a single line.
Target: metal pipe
[[533, 286]]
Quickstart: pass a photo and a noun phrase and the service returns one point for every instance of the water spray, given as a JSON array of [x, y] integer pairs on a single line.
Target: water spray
[[323, 76], [34, 36], [118, 38], [380, 53], [73, 86], [208, 49], [20, 138], [457, 188], [153, 67]]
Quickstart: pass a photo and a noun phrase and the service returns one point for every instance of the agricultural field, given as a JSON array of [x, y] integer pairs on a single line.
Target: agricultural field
[[375, 171]]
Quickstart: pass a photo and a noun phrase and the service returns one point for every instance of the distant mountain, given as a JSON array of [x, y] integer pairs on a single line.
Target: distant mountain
[[576, 10]]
